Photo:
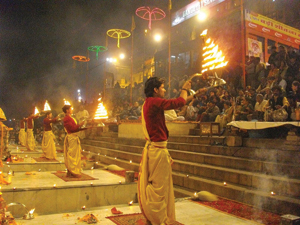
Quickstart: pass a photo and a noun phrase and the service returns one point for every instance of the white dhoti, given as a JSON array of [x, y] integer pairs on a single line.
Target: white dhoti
[[22, 137], [72, 153], [155, 184], [48, 145], [30, 144]]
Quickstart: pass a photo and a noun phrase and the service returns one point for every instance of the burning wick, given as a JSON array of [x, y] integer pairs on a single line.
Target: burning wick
[[83, 150], [91, 183], [104, 155], [273, 193], [14, 188], [115, 157], [130, 203], [225, 184], [97, 162], [7, 162], [98, 153], [195, 194], [92, 168], [120, 182], [54, 185], [83, 207], [130, 161], [187, 176]]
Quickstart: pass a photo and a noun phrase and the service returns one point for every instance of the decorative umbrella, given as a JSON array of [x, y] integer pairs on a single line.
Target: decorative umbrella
[[97, 49], [119, 34], [146, 13]]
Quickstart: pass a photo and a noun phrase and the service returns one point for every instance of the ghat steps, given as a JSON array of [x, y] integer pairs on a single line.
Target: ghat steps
[[201, 163]]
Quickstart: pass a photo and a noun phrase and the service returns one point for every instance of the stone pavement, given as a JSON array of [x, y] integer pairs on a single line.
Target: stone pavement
[[187, 212]]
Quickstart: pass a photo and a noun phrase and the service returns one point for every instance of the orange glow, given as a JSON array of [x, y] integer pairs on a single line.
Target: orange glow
[[47, 106]]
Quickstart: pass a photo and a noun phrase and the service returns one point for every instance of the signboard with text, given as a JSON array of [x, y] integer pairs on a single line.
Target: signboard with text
[[272, 27], [192, 10]]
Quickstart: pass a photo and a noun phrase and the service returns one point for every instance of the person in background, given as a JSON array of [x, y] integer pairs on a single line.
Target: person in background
[[48, 144]]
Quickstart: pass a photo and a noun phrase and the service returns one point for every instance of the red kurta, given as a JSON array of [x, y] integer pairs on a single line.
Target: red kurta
[[30, 121], [155, 118], [70, 125], [22, 124], [47, 124]]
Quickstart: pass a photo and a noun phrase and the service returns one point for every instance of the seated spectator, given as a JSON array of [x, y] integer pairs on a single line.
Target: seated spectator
[[277, 101], [283, 69], [295, 93], [240, 97], [245, 110], [135, 112], [225, 117], [210, 113], [259, 108], [268, 93], [279, 81], [263, 85], [272, 58], [274, 71]]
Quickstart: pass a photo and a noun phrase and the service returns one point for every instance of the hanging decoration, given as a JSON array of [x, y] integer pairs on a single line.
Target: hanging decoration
[[118, 34], [212, 56], [97, 49], [146, 13], [81, 58]]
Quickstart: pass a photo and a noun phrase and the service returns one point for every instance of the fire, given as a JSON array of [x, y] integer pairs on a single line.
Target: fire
[[101, 112], [36, 111], [213, 57], [31, 211], [47, 106], [66, 102]]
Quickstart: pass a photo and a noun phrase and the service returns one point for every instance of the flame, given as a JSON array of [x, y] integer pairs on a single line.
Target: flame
[[36, 111], [213, 57], [101, 112], [204, 33], [47, 106], [66, 102], [31, 211]]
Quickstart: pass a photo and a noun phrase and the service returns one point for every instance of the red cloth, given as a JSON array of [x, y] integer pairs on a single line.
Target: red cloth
[[155, 118], [30, 121], [70, 125], [47, 124], [22, 124]]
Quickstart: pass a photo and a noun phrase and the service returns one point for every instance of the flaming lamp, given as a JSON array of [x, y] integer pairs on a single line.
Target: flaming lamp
[[101, 114], [47, 107], [36, 111]]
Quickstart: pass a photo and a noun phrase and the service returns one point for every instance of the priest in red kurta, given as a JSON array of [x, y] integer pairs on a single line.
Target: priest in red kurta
[[30, 144], [48, 144], [155, 184], [72, 147], [22, 133]]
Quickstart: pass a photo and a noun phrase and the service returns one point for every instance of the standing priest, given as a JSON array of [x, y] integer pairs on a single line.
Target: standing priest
[[72, 147], [48, 144]]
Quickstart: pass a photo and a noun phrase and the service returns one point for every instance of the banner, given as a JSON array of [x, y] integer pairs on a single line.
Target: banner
[[272, 27]]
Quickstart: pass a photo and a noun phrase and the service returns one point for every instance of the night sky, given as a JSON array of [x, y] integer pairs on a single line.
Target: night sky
[[39, 38]]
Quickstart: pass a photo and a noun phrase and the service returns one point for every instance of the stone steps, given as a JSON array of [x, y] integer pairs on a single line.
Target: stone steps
[[253, 153], [232, 191], [254, 180], [266, 167]]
